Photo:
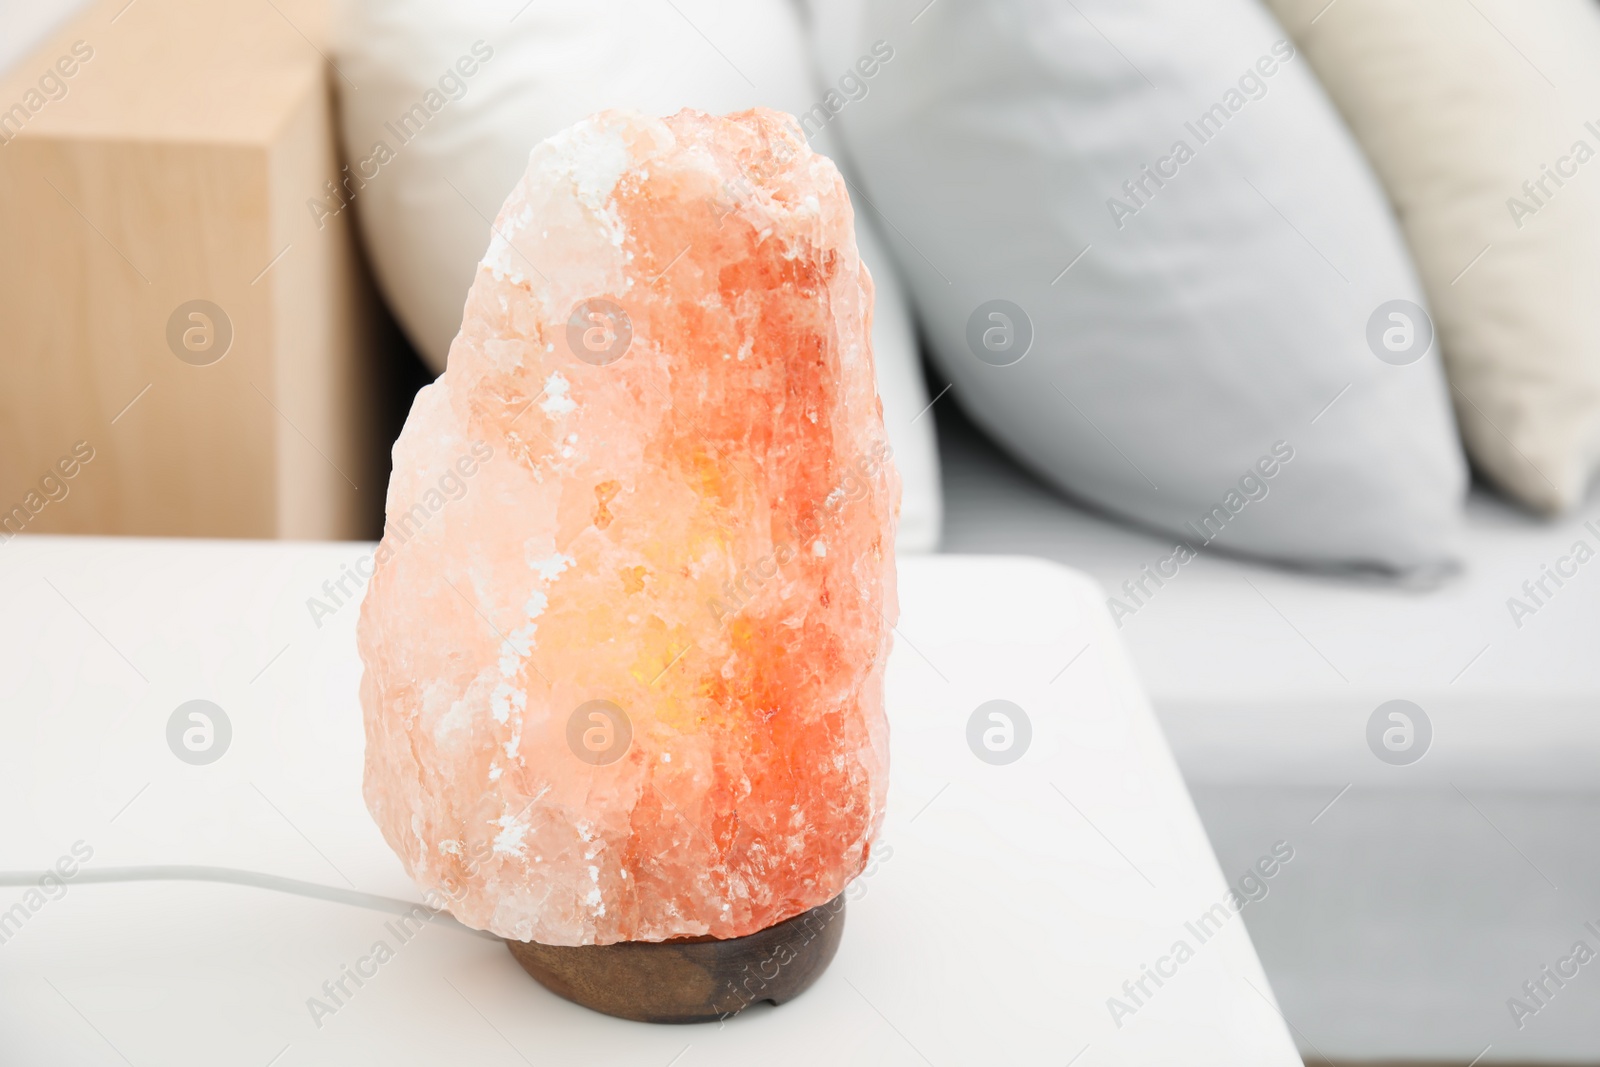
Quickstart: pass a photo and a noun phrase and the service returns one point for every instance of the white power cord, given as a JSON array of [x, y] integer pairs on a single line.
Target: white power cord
[[232, 876]]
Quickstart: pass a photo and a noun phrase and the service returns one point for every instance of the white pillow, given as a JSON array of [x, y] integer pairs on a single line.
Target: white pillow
[[1188, 335], [535, 68], [1473, 117]]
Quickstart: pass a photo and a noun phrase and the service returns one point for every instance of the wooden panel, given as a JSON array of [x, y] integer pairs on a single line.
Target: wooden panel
[[174, 167]]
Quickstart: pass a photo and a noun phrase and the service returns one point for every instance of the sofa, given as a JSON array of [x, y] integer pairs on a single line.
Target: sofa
[[1430, 892]]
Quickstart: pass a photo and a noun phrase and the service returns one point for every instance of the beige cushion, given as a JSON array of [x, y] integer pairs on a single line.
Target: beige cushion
[[1459, 104]]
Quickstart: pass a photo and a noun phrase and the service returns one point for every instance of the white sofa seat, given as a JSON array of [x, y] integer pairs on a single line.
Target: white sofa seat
[[1432, 890]]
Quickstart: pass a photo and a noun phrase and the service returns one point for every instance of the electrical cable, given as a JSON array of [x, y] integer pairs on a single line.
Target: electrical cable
[[232, 876]]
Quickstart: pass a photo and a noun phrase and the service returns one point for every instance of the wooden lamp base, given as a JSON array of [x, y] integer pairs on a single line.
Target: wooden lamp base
[[690, 979]]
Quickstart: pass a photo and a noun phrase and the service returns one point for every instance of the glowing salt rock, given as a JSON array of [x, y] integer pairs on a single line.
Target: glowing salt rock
[[626, 635]]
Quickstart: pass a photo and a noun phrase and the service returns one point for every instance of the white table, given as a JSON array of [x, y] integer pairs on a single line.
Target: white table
[[1018, 898]]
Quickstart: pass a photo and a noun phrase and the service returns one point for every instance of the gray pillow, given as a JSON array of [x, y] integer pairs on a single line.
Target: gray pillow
[[1157, 269]]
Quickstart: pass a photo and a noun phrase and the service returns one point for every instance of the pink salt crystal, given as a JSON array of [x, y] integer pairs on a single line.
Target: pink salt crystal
[[626, 636]]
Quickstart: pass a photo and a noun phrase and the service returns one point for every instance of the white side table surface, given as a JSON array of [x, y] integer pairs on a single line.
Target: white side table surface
[[1011, 902]]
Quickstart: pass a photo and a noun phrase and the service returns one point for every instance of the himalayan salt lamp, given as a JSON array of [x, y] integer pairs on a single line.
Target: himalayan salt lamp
[[626, 634]]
